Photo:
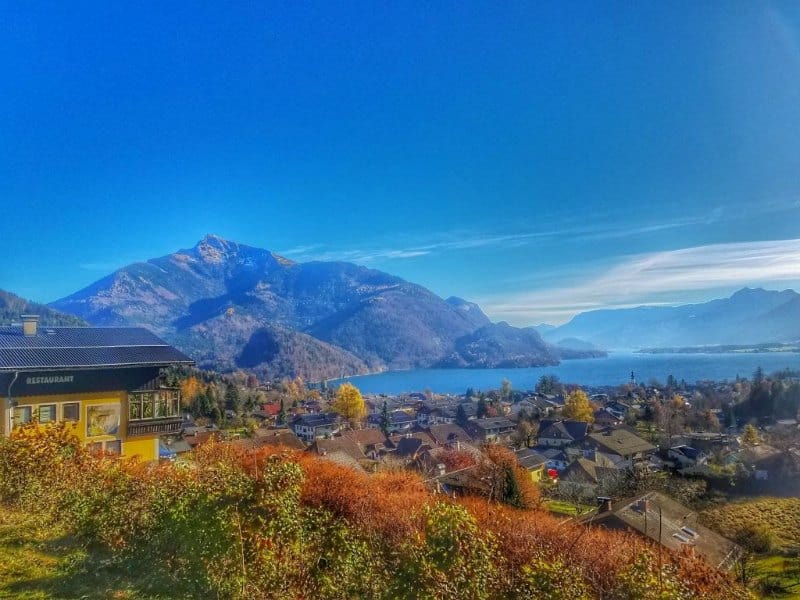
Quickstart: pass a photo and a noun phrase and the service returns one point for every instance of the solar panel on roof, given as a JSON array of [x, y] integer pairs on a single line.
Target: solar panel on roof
[[76, 347]]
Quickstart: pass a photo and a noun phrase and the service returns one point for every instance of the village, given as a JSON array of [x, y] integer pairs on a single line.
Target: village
[[637, 457]]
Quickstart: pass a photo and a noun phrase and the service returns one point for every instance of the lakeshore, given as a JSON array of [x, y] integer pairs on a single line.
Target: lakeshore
[[612, 370]]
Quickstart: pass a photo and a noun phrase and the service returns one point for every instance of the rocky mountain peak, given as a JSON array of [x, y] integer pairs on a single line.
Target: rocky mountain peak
[[214, 249]]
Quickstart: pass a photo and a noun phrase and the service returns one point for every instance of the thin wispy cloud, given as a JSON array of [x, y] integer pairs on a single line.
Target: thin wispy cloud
[[469, 240], [648, 279]]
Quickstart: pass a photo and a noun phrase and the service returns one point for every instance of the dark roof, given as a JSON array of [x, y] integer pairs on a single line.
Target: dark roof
[[446, 433], [574, 430], [316, 419], [55, 348], [553, 454], [687, 451], [528, 458], [494, 423], [410, 446]]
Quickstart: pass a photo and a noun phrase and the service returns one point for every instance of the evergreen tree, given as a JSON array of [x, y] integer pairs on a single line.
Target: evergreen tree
[[482, 408], [233, 399], [282, 414], [461, 415], [758, 377], [386, 421]]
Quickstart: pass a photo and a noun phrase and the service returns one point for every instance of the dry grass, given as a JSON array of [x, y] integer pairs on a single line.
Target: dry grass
[[781, 516]]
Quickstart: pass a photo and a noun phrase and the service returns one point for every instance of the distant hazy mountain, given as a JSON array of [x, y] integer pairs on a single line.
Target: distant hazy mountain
[[499, 345], [543, 328], [576, 344], [750, 316], [235, 306], [12, 307]]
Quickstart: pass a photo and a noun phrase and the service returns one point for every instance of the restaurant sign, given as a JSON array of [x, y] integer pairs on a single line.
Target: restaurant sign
[[49, 380]]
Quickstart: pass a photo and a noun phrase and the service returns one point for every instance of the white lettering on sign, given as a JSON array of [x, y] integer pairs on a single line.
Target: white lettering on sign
[[50, 379]]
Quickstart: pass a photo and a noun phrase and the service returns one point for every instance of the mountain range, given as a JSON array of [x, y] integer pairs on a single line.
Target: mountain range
[[232, 306], [749, 316]]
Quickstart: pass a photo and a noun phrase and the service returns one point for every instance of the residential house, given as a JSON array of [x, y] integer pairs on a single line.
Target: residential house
[[338, 446], [618, 408], [493, 429], [557, 459], [462, 482], [410, 449], [448, 434], [605, 418], [399, 421], [268, 411], [623, 442], [659, 518], [559, 434], [309, 427], [583, 477], [279, 437], [762, 460], [533, 462], [686, 457], [372, 442]]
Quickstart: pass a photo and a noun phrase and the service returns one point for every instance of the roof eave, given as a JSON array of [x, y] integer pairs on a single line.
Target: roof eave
[[161, 364]]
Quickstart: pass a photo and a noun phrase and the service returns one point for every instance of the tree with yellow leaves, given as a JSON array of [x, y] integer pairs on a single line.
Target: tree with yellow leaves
[[190, 389], [578, 408], [750, 436], [349, 403]]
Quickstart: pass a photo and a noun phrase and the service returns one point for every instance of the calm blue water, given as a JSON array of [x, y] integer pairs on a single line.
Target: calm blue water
[[613, 370]]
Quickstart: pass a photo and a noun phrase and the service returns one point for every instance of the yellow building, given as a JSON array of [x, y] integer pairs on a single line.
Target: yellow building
[[533, 462], [104, 380]]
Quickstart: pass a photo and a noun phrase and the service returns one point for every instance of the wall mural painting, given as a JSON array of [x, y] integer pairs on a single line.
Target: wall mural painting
[[102, 419]]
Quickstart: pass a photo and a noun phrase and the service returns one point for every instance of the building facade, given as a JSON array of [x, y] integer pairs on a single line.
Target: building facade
[[103, 380]]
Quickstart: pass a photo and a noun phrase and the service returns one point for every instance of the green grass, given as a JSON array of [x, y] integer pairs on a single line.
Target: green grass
[[38, 562], [561, 507], [778, 577]]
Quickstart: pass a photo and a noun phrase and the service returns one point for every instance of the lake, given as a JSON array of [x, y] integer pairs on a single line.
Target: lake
[[615, 369]]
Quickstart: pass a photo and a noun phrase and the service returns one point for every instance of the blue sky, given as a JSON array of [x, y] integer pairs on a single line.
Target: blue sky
[[539, 158]]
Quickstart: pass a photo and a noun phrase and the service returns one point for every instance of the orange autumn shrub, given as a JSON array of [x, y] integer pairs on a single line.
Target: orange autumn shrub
[[277, 523], [385, 504]]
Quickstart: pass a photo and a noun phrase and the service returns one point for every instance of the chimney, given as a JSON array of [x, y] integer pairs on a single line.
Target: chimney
[[604, 503], [30, 324]]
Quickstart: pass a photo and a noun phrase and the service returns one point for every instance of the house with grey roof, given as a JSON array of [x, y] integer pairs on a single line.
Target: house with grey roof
[[621, 441], [559, 434], [661, 519], [492, 429], [311, 426]]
